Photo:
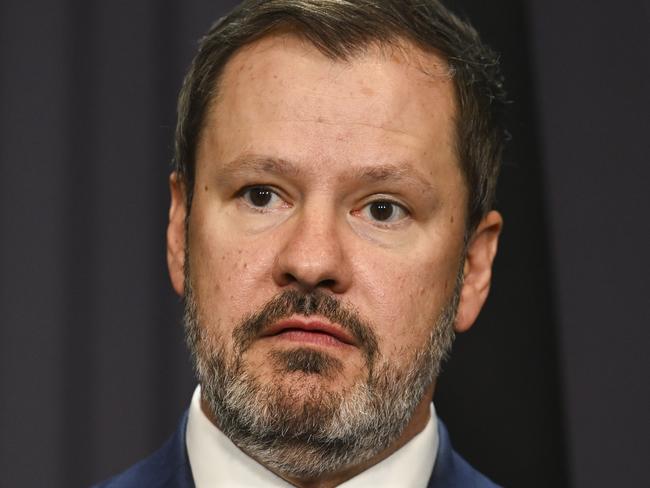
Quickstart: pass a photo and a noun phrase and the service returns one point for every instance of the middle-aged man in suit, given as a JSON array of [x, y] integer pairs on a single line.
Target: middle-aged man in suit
[[331, 227]]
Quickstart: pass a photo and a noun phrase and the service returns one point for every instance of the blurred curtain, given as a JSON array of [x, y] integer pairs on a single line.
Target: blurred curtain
[[548, 389]]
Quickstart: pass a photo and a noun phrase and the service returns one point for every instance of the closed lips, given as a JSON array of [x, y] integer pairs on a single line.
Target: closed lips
[[309, 327]]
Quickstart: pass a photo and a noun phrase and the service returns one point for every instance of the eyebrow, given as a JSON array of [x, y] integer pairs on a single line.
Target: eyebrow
[[402, 173], [261, 164]]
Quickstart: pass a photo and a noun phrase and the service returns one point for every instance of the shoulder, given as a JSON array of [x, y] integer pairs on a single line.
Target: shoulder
[[452, 471], [167, 467]]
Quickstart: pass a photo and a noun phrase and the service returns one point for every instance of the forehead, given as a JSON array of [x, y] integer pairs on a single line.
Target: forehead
[[280, 96]]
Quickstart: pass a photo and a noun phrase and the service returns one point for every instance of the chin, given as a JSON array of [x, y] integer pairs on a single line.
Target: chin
[[303, 372]]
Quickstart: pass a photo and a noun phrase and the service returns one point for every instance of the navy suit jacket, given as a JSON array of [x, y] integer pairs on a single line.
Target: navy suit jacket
[[169, 467]]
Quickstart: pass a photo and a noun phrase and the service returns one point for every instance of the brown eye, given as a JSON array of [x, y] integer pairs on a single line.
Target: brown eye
[[384, 211], [262, 198], [259, 196]]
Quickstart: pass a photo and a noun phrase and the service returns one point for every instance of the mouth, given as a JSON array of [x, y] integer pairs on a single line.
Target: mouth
[[310, 331]]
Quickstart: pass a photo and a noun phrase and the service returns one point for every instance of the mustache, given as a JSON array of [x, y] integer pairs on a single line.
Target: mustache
[[317, 302]]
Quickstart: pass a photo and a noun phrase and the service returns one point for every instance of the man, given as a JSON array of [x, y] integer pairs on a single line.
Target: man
[[331, 226]]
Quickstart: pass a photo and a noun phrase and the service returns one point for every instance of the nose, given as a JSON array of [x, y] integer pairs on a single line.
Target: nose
[[313, 255]]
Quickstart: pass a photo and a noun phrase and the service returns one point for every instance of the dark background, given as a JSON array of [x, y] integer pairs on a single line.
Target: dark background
[[549, 389]]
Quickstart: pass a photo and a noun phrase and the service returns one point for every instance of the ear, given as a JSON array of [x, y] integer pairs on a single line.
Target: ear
[[176, 233], [481, 250]]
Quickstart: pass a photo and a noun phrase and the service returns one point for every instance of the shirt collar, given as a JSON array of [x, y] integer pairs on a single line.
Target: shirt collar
[[216, 461]]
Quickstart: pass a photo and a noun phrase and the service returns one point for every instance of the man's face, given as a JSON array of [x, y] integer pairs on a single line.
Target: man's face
[[332, 179]]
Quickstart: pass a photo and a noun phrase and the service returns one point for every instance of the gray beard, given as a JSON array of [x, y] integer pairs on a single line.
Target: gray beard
[[305, 432]]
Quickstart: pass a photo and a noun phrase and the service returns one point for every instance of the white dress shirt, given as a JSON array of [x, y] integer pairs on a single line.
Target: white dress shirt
[[217, 462]]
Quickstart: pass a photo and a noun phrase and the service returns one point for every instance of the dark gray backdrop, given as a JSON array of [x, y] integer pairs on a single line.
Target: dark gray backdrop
[[550, 387]]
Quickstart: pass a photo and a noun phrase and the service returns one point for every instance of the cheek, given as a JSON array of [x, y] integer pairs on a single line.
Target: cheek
[[229, 274], [406, 295]]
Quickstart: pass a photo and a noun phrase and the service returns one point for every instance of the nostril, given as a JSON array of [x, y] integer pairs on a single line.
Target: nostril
[[329, 283], [288, 278]]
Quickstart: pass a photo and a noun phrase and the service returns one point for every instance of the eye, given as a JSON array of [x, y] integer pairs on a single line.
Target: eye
[[261, 197], [384, 211]]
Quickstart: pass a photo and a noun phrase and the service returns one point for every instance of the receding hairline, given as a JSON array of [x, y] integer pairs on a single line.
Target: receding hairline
[[426, 60], [401, 47]]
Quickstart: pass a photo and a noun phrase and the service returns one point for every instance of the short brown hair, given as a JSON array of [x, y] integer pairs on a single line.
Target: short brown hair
[[341, 28]]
